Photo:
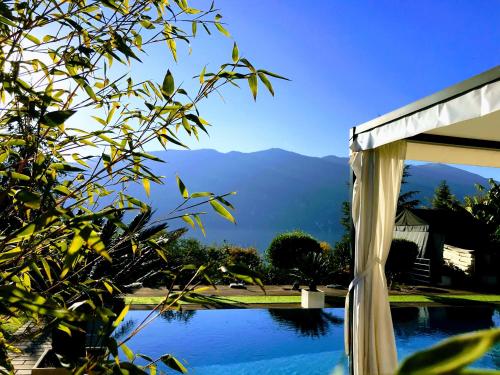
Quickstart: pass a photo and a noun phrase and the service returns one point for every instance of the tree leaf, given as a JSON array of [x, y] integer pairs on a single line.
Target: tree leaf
[[168, 86], [173, 363], [252, 82], [182, 188], [127, 351], [236, 54], [451, 355], [221, 210], [200, 224], [147, 186], [266, 82], [222, 29], [56, 118], [120, 317], [188, 220], [29, 199]]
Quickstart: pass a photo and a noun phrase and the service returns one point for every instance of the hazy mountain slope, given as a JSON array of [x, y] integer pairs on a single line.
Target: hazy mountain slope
[[278, 190]]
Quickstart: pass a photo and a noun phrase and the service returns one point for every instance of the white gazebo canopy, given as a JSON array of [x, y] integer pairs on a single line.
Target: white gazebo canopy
[[459, 125]]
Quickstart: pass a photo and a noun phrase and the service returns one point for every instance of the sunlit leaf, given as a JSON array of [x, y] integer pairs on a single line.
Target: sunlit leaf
[[168, 85], [235, 53], [252, 83], [451, 355], [182, 188], [188, 220], [221, 210], [266, 82], [173, 363], [147, 186], [29, 199]]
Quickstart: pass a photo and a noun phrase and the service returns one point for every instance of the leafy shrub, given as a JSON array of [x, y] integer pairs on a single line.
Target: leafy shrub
[[248, 256], [287, 249], [340, 260]]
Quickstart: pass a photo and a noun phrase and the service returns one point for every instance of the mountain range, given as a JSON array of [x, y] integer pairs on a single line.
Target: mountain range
[[277, 190]]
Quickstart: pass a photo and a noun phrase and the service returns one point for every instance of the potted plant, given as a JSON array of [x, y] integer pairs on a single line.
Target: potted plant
[[312, 268]]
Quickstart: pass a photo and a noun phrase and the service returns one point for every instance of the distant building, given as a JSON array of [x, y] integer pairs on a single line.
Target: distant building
[[443, 237]]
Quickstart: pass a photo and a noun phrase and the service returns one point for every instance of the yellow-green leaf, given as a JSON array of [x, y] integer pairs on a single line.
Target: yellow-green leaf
[[128, 353], [168, 85], [29, 199], [450, 356], [147, 186], [252, 82], [182, 188], [173, 363], [236, 54], [122, 315], [222, 29], [266, 82], [188, 220], [221, 210]]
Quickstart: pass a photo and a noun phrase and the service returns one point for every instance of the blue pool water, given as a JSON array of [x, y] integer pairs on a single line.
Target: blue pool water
[[292, 341]]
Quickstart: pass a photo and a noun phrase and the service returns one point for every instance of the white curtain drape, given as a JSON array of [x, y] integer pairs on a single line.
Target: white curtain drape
[[376, 189]]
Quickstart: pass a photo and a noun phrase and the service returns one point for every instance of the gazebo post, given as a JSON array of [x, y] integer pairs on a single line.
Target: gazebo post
[[352, 243]]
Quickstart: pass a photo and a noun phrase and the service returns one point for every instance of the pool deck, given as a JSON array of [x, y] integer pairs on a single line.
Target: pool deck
[[334, 297]]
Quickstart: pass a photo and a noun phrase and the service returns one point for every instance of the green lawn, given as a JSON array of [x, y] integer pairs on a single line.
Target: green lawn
[[220, 300], [443, 298]]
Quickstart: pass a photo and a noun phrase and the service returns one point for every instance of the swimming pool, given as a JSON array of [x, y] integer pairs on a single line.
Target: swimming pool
[[292, 341]]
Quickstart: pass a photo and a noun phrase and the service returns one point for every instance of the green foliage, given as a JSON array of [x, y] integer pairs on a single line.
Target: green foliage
[[287, 249], [312, 268], [443, 198], [64, 173], [485, 206], [451, 356], [406, 200], [300, 255], [340, 257], [400, 260], [249, 257]]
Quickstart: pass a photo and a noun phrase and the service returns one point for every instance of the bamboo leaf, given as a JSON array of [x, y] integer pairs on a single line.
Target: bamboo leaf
[[221, 210], [451, 355], [182, 188], [252, 82], [222, 29], [29, 199], [56, 118], [188, 220], [147, 186], [168, 86], [122, 315], [173, 363], [266, 82], [235, 54]]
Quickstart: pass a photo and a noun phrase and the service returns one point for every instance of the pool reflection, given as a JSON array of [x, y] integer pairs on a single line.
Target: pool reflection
[[306, 322]]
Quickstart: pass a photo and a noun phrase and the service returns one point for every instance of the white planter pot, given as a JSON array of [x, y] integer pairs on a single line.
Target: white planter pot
[[312, 300]]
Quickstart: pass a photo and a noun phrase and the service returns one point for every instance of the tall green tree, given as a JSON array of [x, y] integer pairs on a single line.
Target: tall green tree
[[76, 121], [407, 199], [443, 198], [485, 206]]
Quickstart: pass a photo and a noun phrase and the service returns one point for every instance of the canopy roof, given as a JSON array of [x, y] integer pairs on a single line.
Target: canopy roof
[[459, 227], [460, 124], [408, 219]]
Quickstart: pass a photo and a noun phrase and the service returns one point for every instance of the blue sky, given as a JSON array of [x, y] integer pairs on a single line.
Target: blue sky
[[348, 61]]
